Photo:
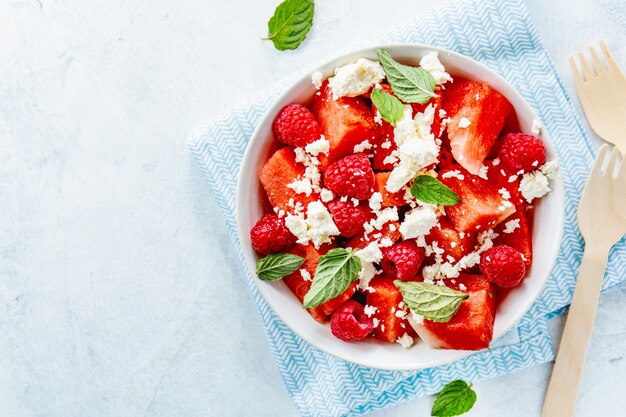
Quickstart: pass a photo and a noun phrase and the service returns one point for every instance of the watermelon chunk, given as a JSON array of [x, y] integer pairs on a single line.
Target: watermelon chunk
[[386, 299], [486, 111], [482, 207], [346, 122], [385, 146], [278, 172], [471, 328], [521, 236], [389, 199], [450, 240]]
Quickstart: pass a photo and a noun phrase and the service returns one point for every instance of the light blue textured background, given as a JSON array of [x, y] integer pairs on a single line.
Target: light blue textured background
[[118, 294]]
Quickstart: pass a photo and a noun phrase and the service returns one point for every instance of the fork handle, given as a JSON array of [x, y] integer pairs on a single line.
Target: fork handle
[[563, 387]]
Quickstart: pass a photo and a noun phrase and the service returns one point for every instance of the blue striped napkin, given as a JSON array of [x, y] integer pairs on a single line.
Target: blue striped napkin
[[500, 34]]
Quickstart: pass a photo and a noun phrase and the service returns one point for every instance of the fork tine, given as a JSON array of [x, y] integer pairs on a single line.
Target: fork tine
[[610, 168], [597, 167], [575, 72], [621, 174], [587, 71], [609, 58], [597, 62]]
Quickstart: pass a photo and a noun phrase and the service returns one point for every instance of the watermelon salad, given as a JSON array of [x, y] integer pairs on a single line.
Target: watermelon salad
[[401, 203]]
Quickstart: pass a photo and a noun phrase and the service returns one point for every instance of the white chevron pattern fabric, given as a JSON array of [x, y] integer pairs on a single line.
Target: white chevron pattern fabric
[[500, 34]]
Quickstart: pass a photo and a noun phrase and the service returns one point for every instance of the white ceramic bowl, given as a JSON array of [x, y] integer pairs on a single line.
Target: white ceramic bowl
[[547, 229]]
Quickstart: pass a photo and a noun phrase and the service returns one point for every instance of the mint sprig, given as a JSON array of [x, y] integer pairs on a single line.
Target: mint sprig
[[434, 302], [290, 24], [277, 266], [454, 399], [430, 190], [410, 84], [334, 273], [389, 107]]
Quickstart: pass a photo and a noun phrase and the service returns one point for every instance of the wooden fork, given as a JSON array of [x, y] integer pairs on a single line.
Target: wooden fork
[[602, 92], [602, 221]]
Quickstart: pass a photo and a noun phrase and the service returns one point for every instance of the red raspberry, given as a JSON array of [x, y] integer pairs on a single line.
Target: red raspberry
[[503, 265], [350, 323], [521, 152], [295, 125], [402, 260], [348, 217], [351, 176], [270, 235]]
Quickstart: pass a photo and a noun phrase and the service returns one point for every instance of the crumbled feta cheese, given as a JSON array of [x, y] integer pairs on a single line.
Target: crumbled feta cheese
[[418, 222], [305, 274], [355, 79], [430, 62], [513, 178], [455, 173], [316, 79], [392, 158], [298, 227], [370, 253], [326, 195], [376, 322], [533, 185], [378, 118], [370, 310], [464, 122], [536, 127], [386, 242], [406, 341], [549, 168], [362, 147], [320, 223], [375, 202], [416, 146], [496, 162], [386, 144], [505, 193], [462, 287], [511, 225], [302, 186], [319, 146], [482, 172]]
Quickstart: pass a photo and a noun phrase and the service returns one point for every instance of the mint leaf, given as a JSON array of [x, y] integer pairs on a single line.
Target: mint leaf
[[390, 108], [290, 24], [410, 84], [334, 273], [277, 266], [454, 399], [430, 190], [434, 302]]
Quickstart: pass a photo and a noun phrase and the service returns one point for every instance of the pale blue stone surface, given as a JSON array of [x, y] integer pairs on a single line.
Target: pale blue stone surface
[[119, 292]]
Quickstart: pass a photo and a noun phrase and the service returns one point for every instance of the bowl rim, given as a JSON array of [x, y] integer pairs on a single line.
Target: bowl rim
[[557, 187]]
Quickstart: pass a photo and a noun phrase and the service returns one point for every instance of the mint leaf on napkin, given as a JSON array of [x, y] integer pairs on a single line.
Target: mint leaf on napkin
[[277, 266], [334, 273], [389, 107], [454, 399], [410, 84], [434, 302], [290, 23], [430, 190]]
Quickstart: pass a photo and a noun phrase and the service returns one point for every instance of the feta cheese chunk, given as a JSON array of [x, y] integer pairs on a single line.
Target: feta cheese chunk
[[355, 79], [418, 222], [316, 79], [430, 62], [416, 147]]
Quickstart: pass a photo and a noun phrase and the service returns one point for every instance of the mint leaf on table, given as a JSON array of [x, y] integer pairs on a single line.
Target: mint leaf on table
[[430, 190], [454, 399], [389, 107], [410, 84], [434, 302], [334, 273], [290, 23], [277, 266]]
